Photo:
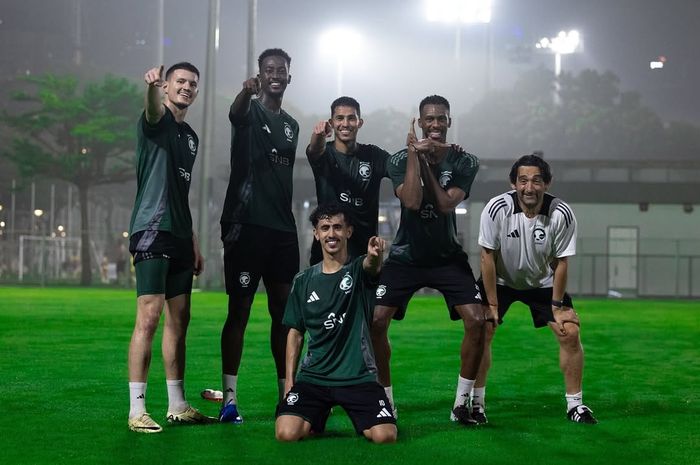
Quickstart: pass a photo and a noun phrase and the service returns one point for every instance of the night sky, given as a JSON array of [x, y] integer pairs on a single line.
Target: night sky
[[403, 57]]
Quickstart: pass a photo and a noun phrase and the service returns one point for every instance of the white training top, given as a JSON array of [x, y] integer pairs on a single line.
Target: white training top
[[525, 247]]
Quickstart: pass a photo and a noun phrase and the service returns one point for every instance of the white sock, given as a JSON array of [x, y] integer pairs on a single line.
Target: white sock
[[574, 400], [280, 387], [137, 399], [464, 387], [176, 395], [479, 397], [230, 383], [390, 395]]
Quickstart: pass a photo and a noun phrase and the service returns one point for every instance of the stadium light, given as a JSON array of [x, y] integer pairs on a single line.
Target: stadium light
[[38, 212], [564, 43], [350, 43], [460, 12]]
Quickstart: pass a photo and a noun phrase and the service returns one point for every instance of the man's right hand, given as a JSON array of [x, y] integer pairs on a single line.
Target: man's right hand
[[252, 86], [492, 314], [322, 128], [154, 77]]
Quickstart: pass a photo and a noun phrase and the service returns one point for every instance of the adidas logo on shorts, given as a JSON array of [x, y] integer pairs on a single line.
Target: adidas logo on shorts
[[384, 413]]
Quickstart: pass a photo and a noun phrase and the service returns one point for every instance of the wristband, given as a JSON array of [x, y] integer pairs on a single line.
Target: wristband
[[557, 303]]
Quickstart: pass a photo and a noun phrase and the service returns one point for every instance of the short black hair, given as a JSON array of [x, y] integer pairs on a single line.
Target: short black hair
[[328, 210], [534, 159], [274, 52], [345, 101], [182, 65], [433, 100]]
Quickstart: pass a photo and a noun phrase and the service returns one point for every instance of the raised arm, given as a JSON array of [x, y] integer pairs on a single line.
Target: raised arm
[[410, 192], [153, 105], [241, 104], [372, 263], [317, 145]]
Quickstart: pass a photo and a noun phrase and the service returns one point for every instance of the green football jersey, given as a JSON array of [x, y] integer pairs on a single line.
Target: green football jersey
[[165, 155], [335, 311], [427, 237], [353, 181], [263, 149]]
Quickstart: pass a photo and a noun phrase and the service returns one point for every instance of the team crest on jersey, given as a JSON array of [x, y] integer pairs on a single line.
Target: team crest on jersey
[[445, 178], [539, 235], [365, 169], [244, 279], [381, 291], [346, 283], [288, 132], [292, 398], [191, 144]]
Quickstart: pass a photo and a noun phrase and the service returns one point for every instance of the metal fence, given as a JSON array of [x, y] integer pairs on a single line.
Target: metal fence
[[656, 268]]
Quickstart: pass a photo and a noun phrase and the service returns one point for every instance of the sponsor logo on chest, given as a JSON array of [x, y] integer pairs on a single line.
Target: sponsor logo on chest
[[428, 212]]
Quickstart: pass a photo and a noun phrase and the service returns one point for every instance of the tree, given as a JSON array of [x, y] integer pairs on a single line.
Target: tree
[[81, 134]]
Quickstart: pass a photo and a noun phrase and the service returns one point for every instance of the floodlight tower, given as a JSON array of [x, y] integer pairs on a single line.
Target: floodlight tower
[[565, 43], [352, 44], [461, 12]]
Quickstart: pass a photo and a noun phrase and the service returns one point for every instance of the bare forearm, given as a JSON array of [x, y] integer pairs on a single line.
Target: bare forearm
[[295, 340], [317, 145], [488, 275], [445, 200], [411, 194], [241, 104], [561, 273], [153, 105]]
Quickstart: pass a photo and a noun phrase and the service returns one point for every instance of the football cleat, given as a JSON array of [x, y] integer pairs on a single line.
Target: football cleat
[[462, 414], [144, 424], [479, 415], [581, 414], [229, 414], [212, 395], [190, 416]]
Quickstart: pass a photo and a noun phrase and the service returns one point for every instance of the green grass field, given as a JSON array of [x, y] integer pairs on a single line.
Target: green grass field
[[64, 394]]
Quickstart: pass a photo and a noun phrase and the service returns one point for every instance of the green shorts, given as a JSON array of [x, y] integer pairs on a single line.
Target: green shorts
[[160, 275]]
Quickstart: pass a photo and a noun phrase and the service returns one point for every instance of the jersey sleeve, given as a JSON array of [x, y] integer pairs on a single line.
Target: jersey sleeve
[[240, 121], [293, 310], [464, 175], [323, 159], [152, 130], [396, 168], [564, 243], [491, 222], [382, 160]]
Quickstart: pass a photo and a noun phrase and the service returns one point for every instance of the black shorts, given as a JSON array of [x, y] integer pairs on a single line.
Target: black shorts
[[539, 300], [398, 283], [258, 252], [164, 263], [366, 404]]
